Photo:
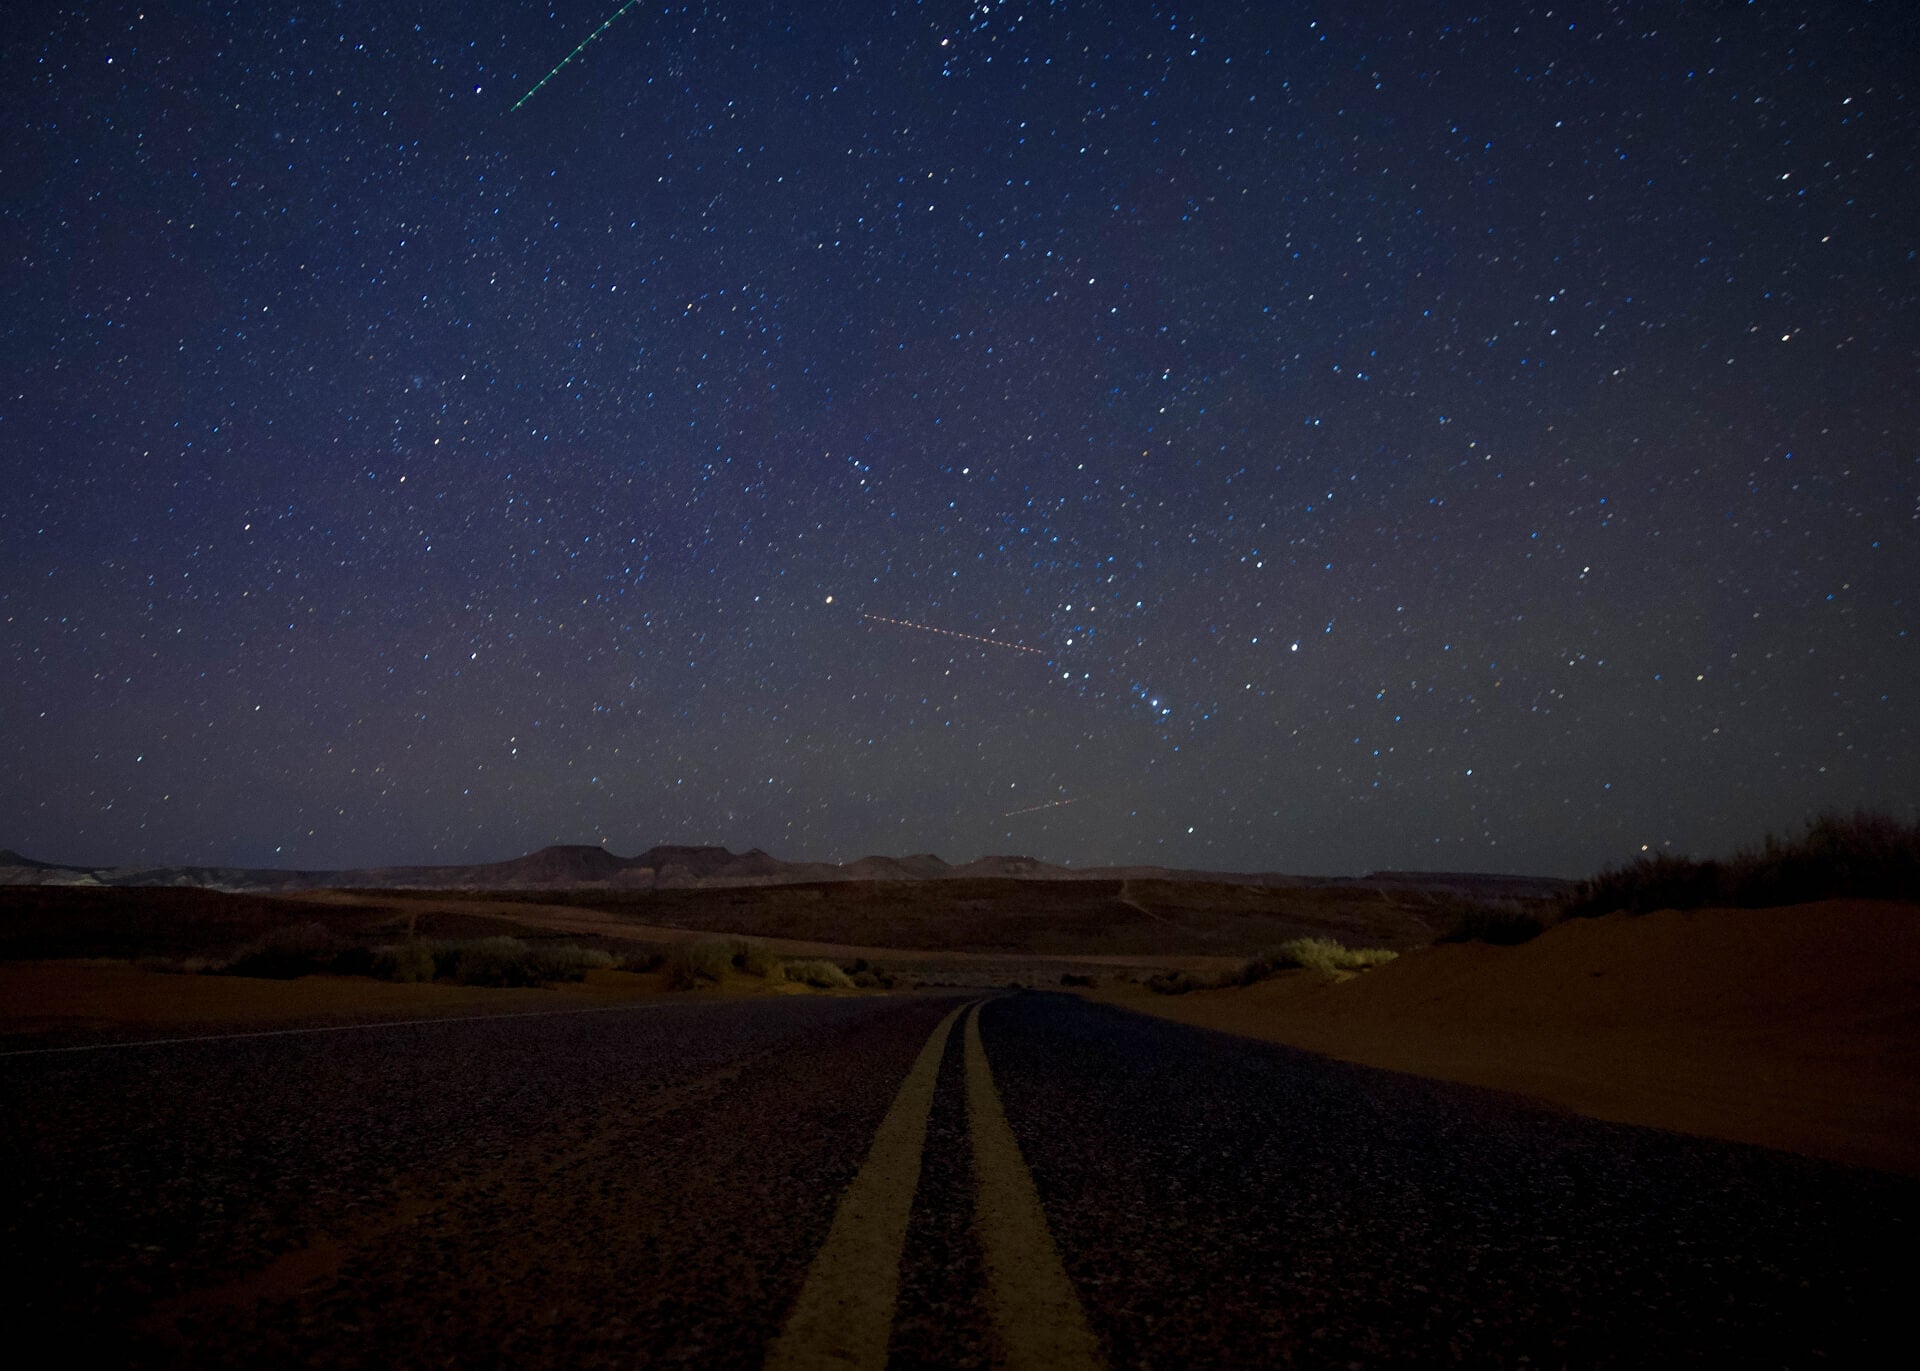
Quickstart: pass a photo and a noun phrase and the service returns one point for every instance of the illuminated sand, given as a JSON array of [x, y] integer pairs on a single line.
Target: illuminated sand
[[1795, 1028]]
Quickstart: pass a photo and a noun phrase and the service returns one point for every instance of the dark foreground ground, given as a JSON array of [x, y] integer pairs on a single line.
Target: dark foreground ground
[[649, 1185]]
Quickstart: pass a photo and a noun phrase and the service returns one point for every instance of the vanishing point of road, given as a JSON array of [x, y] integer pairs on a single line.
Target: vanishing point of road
[[929, 1181]]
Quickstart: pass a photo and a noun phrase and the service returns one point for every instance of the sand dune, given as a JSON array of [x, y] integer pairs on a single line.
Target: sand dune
[[1796, 1028]]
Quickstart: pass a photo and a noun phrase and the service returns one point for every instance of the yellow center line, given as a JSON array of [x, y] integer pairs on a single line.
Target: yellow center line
[[845, 1311], [1040, 1321]]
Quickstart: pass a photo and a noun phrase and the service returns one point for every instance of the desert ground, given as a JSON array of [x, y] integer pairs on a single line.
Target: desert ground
[[1553, 1153]]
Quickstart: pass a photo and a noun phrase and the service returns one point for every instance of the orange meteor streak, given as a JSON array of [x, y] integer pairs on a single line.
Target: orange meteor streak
[[1035, 809], [950, 633]]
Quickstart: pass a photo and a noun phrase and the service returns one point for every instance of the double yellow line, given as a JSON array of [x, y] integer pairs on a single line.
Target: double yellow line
[[844, 1315]]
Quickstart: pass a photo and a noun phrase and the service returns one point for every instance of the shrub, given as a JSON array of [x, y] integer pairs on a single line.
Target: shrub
[[408, 963], [688, 964], [356, 959], [501, 961], [179, 966], [1863, 855], [1179, 982], [820, 974], [759, 960], [567, 962], [297, 950], [1074, 978], [1311, 954], [1501, 927], [1661, 881], [493, 961]]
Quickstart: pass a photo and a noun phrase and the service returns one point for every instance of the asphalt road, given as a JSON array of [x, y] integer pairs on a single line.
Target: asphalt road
[[814, 1181]]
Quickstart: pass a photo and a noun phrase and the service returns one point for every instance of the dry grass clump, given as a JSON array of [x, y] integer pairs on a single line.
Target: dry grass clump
[[314, 949], [707, 962], [818, 973], [504, 961], [760, 960], [568, 962], [408, 963], [688, 964], [1181, 982], [1311, 954], [867, 976], [1862, 855], [489, 961], [287, 953]]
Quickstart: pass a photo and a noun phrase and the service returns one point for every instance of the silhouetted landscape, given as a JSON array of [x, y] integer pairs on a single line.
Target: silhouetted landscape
[[1637, 1000], [1066, 686]]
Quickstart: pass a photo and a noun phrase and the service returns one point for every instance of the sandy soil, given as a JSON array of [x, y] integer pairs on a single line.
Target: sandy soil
[[597, 923], [1138, 918], [57, 1001], [1795, 1028]]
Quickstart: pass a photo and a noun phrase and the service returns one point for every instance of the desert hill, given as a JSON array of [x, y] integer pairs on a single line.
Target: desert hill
[[581, 866], [1789, 1027]]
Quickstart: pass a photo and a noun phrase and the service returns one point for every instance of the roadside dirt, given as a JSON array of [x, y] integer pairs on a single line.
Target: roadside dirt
[[1794, 1028], [51, 1002], [600, 924]]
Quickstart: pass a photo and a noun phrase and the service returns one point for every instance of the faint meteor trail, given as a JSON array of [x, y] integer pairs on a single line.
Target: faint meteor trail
[[604, 25], [1035, 809], [950, 633]]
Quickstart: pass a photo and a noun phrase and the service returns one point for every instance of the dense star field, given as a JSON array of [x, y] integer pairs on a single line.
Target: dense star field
[[1399, 435]]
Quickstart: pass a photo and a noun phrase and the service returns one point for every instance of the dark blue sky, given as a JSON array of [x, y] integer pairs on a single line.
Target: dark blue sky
[[1408, 435]]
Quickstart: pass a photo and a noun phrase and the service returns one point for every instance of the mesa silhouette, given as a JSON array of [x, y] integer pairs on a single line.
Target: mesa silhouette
[[672, 866]]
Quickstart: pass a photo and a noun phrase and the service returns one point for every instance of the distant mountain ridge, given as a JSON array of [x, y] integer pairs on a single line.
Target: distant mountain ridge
[[675, 866]]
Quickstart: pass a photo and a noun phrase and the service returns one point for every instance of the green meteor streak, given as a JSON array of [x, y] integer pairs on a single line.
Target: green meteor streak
[[605, 24]]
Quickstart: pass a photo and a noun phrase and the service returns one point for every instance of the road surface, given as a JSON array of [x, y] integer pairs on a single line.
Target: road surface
[[1022, 1180]]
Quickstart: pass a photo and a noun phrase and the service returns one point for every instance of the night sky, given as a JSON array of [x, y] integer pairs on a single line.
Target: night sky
[[1412, 435]]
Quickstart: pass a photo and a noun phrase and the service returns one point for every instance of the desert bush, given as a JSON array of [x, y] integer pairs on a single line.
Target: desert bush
[[567, 962], [408, 963], [1862, 855], [297, 950], [492, 961], [1074, 978], [179, 966], [1365, 958], [355, 959], [498, 961], [688, 964], [759, 960], [1312, 954], [1490, 924], [1661, 881], [1179, 982], [818, 973]]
